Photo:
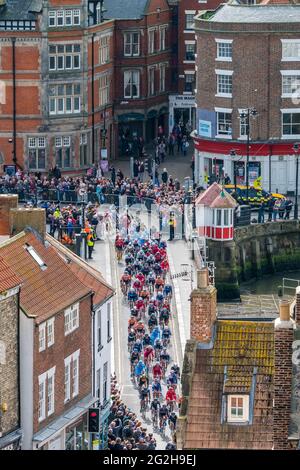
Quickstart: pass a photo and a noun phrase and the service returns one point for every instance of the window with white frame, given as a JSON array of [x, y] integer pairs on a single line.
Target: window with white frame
[[224, 83], [237, 408], [59, 18], [71, 318], [290, 50], [132, 44], [104, 89], [42, 337], [190, 49], [64, 57], [68, 378], [104, 49], [131, 84], [243, 128], [98, 383], [50, 332], [83, 149], [224, 124], [50, 391], [151, 81], [75, 374], [42, 397], [290, 83], [291, 123], [189, 21], [105, 388], [63, 151], [151, 41], [64, 99], [162, 37], [189, 84], [224, 50], [162, 77], [108, 322], [226, 217], [37, 153], [99, 329]]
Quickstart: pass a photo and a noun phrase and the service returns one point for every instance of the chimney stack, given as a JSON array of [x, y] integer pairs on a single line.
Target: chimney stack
[[283, 368], [7, 202], [23, 217], [203, 308]]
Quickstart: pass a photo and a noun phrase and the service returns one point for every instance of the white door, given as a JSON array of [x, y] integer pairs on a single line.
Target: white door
[[279, 176]]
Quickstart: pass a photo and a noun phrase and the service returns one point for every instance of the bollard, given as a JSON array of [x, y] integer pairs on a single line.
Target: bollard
[[280, 293], [78, 240]]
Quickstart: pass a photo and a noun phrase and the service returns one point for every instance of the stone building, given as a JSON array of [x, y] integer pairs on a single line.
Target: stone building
[[10, 428], [240, 377], [248, 58]]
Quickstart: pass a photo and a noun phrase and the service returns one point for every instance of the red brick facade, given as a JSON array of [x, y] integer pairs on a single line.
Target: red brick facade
[[64, 346]]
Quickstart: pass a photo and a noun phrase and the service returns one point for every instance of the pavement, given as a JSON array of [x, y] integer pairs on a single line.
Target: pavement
[[177, 165]]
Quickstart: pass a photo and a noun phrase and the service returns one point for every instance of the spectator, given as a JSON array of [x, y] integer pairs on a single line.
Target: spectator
[[288, 208]]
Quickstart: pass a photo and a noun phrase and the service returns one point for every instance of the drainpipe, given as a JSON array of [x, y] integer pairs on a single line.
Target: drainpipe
[[93, 101], [93, 342], [270, 168], [13, 41]]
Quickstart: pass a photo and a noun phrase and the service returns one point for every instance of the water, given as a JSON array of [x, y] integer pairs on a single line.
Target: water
[[269, 284]]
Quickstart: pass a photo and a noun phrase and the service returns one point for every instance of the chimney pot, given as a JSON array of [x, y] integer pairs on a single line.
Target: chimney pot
[[202, 278], [284, 310]]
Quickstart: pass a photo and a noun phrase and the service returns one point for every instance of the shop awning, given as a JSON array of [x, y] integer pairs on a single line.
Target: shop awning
[[66, 419], [131, 117]]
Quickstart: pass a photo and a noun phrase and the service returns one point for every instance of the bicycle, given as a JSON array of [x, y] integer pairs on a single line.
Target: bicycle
[[119, 254], [154, 418], [162, 424], [144, 407]]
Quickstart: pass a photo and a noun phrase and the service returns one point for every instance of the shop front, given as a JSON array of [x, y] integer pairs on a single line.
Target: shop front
[[182, 111]]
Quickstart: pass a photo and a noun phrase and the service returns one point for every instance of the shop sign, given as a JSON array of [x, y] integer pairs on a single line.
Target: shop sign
[[183, 101], [204, 128]]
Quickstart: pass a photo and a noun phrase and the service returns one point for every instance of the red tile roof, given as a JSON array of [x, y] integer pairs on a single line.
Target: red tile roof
[[44, 292], [217, 197], [86, 273], [239, 347], [8, 278]]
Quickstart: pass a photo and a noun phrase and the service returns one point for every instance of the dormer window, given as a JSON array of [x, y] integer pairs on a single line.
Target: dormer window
[[238, 408]]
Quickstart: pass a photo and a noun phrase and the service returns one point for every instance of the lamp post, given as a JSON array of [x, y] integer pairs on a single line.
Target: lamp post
[[233, 154], [245, 119], [296, 150]]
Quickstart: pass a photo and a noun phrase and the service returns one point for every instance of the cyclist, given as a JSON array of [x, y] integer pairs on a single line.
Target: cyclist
[[138, 346], [156, 388], [119, 245], [164, 316], [145, 394], [140, 276], [132, 296], [171, 397], [154, 407], [128, 259], [152, 322], [144, 381], [160, 297], [159, 283], [135, 313], [131, 323], [140, 329], [134, 357], [157, 370], [140, 255], [158, 347], [139, 369], [145, 269], [131, 339], [137, 285], [165, 267], [146, 340], [148, 354], [168, 291], [172, 379], [176, 369], [166, 335], [172, 422], [155, 334], [163, 416], [164, 360], [125, 282], [144, 295], [157, 269]]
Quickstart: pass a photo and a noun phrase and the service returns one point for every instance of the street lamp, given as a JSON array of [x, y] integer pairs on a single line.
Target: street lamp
[[296, 150], [245, 119], [233, 154]]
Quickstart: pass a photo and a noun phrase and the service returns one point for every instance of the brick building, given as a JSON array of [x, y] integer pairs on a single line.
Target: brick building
[[142, 70], [248, 57], [240, 377], [56, 84], [10, 429], [182, 104]]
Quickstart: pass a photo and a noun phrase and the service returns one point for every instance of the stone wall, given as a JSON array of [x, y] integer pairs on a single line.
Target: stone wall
[[256, 250], [9, 393]]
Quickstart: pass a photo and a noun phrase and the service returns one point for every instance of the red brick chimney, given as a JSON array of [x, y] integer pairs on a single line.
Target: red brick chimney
[[284, 336], [7, 202], [203, 308]]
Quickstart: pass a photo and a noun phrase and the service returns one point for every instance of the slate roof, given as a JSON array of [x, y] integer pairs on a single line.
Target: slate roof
[[134, 9], [241, 361], [89, 276], [8, 278], [257, 14], [21, 9], [216, 197], [44, 292]]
